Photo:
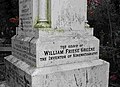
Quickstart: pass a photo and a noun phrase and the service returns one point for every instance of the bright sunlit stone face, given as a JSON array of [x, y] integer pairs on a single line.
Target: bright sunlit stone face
[[68, 14]]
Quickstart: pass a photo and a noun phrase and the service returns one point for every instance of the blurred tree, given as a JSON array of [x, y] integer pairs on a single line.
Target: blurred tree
[[102, 15]]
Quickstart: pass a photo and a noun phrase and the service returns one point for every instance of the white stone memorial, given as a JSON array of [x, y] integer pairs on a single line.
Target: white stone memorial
[[55, 47]]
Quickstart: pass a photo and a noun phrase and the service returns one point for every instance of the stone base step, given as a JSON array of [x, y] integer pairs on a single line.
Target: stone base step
[[93, 73]]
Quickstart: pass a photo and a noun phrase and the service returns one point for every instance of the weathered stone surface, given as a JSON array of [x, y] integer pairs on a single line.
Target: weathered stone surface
[[67, 15], [64, 50], [24, 48], [85, 74], [28, 13], [54, 50]]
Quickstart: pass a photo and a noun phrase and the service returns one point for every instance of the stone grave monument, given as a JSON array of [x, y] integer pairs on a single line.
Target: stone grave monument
[[55, 47]]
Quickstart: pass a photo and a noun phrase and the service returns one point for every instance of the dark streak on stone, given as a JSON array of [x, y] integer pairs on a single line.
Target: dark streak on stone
[[81, 85], [46, 76], [86, 77], [93, 67], [76, 80]]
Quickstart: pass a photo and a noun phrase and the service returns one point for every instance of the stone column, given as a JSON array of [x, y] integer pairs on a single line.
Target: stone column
[[86, 21], [85, 10], [43, 11]]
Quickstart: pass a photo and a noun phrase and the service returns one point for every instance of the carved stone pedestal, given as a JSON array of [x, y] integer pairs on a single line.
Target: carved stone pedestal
[[55, 47]]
